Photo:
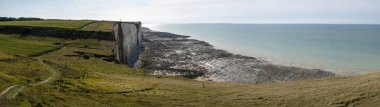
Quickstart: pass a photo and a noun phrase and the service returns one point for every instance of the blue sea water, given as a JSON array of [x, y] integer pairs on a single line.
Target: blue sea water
[[345, 49]]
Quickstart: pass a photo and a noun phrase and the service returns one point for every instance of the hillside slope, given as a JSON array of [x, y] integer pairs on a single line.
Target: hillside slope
[[98, 81]]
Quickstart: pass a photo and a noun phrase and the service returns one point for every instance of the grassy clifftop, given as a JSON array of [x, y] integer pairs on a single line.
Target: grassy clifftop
[[99, 82], [68, 29], [69, 24], [85, 25], [102, 26]]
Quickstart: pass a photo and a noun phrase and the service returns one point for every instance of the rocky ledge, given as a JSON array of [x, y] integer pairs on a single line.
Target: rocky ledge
[[177, 55]]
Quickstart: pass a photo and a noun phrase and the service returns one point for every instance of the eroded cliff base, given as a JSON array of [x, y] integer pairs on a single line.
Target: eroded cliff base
[[177, 55]]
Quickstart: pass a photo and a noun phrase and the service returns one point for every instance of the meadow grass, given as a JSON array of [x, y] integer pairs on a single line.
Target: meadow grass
[[69, 24], [21, 70], [103, 26], [100, 89], [21, 47]]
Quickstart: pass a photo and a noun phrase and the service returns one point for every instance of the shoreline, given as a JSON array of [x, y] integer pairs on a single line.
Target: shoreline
[[279, 60], [178, 55]]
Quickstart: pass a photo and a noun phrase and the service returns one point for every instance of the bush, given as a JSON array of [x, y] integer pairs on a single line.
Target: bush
[[19, 19]]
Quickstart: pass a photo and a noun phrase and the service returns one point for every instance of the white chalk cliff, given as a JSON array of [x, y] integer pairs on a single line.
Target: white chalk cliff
[[128, 42]]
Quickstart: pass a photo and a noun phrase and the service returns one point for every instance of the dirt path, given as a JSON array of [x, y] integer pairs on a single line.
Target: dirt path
[[53, 76], [12, 91], [6, 90]]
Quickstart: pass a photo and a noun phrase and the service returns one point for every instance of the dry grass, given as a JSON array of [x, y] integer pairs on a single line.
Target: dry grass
[[5, 57]]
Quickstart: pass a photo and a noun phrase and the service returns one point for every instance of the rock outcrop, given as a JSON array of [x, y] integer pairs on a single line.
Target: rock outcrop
[[128, 42]]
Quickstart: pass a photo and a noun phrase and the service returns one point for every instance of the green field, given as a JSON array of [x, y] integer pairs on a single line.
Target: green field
[[14, 45], [103, 26], [69, 24], [99, 82]]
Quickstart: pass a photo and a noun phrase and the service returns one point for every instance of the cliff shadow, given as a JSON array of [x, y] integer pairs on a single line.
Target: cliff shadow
[[56, 32]]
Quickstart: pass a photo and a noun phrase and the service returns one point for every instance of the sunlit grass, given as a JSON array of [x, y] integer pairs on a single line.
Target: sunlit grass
[[69, 24], [104, 26], [21, 70], [21, 47], [5, 57]]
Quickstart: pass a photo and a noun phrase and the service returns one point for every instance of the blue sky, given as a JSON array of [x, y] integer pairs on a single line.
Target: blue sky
[[201, 11]]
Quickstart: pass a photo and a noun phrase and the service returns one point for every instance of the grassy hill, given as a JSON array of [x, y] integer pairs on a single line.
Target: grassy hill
[[99, 82]]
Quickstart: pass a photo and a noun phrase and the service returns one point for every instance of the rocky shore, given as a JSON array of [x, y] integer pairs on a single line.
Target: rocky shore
[[177, 55]]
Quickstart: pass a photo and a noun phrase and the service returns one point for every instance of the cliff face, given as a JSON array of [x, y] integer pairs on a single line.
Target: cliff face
[[128, 42]]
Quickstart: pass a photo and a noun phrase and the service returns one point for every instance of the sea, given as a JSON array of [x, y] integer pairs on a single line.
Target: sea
[[345, 49]]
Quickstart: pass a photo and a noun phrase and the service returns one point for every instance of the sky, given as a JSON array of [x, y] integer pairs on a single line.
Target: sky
[[200, 11]]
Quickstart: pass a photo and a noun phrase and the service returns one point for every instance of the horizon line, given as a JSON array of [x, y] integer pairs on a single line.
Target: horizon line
[[272, 23]]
